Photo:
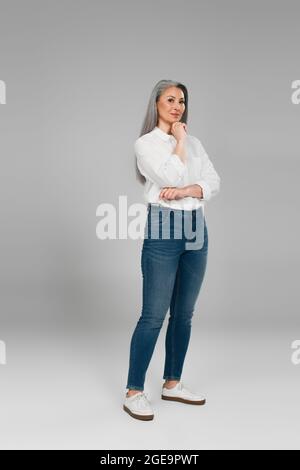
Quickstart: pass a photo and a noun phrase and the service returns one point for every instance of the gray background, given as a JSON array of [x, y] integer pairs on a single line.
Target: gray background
[[78, 77]]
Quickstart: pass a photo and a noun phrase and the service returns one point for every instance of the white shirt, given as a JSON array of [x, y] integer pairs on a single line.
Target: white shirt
[[161, 167]]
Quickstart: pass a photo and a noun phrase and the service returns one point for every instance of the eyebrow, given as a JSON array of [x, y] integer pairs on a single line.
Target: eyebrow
[[170, 96]]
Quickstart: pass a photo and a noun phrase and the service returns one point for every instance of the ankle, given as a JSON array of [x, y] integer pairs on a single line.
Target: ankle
[[132, 392], [170, 383]]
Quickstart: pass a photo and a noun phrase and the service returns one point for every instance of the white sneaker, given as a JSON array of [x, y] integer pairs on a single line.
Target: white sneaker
[[138, 406], [182, 394]]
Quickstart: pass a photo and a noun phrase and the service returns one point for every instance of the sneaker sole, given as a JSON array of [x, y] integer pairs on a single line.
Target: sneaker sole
[[141, 417], [183, 400]]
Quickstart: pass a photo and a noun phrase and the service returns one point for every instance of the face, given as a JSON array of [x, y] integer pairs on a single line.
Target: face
[[171, 105]]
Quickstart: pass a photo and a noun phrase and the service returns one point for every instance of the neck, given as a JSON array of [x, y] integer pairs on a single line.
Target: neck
[[164, 126]]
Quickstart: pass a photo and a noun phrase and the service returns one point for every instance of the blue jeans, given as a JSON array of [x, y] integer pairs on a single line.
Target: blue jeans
[[172, 278]]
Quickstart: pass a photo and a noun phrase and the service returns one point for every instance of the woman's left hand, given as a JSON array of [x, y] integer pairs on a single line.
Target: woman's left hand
[[172, 193]]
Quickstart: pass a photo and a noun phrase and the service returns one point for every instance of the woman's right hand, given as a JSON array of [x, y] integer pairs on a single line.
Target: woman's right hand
[[178, 129]]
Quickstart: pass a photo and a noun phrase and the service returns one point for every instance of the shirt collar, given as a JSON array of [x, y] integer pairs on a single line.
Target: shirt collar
[[163, 135]]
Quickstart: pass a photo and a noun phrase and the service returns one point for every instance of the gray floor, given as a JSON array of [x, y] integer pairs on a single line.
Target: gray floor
[[64, 389]]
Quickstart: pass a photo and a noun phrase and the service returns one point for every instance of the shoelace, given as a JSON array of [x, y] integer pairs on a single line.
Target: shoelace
[[142, 399], [142, 396]]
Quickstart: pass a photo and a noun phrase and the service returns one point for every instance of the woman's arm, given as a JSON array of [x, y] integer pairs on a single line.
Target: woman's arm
[[180, 150], [193, 190], [209, 179], [159, 166], [205, 188]]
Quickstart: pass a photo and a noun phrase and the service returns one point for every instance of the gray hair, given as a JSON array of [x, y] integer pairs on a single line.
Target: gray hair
[[151, 117]]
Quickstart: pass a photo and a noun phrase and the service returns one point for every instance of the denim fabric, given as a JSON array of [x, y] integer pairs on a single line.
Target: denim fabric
[[173, 270]]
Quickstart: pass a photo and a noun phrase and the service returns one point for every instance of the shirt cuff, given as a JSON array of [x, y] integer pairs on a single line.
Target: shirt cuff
[[206, 191]]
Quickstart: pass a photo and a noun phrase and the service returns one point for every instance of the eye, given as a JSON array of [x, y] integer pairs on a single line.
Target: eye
[[171, 99]]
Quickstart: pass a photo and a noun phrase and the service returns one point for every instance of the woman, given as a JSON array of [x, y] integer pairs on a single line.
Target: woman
[[179, 178]]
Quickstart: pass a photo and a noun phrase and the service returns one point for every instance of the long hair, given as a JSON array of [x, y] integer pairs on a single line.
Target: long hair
[[151, 117]]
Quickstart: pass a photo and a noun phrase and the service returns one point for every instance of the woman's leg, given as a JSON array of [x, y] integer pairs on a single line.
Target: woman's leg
[[190, 274], [159, 266]]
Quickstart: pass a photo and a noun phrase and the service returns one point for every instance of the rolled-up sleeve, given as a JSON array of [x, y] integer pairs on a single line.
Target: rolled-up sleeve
[[160, 167], [209, 180]]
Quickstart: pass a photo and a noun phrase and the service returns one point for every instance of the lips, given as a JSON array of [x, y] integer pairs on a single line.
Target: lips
[[176, 115]]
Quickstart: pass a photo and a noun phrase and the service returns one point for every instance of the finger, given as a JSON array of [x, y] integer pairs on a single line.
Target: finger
[[166, 195], [169, 194], [162, 193], [164, 190]]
